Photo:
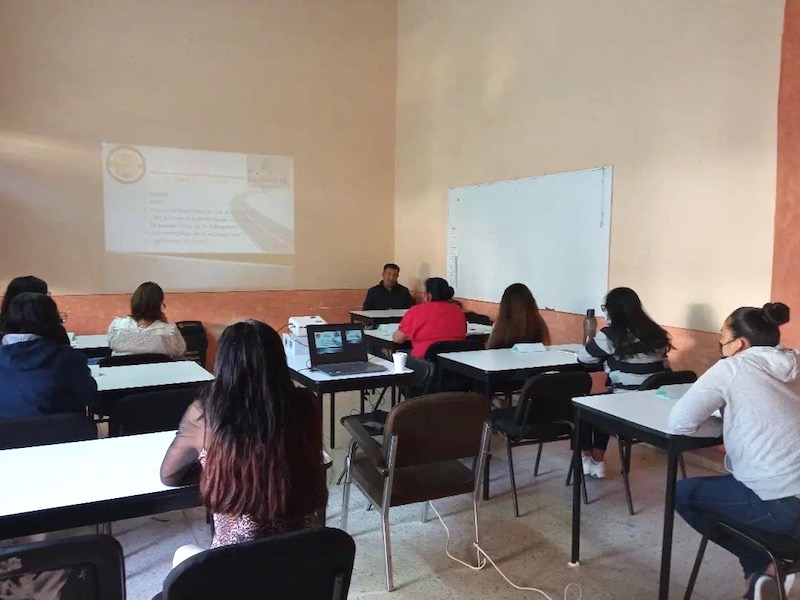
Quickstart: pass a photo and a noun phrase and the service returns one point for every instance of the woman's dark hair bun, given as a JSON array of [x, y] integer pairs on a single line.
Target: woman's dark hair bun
[[451, 292], [776, 313]]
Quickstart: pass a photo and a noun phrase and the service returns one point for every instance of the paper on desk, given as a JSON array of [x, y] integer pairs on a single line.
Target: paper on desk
[[390, 327], [528, 347]]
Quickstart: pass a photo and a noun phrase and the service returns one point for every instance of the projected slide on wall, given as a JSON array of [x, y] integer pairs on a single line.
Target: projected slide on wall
[[196, 219], [168, 201]]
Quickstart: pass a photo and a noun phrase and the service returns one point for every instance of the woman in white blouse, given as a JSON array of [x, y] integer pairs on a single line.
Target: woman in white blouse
[[146, 329]]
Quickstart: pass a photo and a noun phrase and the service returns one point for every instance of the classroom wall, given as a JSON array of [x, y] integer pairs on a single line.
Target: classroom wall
[[680, 97], [310, 79], [786, 275]]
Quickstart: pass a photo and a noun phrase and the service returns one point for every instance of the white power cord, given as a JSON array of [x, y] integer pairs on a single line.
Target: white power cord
[[483, 557]]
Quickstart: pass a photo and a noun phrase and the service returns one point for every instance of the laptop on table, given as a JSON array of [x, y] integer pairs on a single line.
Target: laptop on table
[[340, 350]]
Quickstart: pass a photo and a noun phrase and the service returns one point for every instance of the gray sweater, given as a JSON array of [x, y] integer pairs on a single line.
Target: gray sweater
[[758, 393]]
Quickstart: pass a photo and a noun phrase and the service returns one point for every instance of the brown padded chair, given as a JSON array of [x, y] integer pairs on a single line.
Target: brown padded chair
[[419, 459]]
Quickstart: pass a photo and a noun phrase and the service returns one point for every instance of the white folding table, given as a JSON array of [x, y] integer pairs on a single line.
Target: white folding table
[[642, 416], [93, 346], [154, 375], [371, 318], [321, 383], [85, 483]]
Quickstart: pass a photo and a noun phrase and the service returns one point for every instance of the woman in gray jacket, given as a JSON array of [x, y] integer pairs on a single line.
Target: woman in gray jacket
[[757, 390]]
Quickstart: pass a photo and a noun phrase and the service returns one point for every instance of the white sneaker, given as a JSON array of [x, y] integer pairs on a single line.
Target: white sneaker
[[586, 462], [788, 583], [764, 588], [597, 468]]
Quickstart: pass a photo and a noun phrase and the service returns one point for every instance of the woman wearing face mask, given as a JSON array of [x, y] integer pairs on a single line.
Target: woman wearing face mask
[[757, 389], [631, 348]]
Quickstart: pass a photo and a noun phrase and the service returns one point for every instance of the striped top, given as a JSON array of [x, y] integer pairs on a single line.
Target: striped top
[[623, 373]]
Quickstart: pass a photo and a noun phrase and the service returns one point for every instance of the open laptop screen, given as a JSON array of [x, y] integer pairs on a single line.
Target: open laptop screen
[[328, 344]]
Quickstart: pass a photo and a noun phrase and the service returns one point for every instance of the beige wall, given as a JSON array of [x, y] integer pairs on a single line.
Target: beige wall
[[311, 79], [679, 96]]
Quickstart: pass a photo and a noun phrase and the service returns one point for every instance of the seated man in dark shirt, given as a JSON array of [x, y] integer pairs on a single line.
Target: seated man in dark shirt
[[388, 293]]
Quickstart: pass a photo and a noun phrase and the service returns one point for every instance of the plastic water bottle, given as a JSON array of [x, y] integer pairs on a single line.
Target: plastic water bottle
[[589, 326]]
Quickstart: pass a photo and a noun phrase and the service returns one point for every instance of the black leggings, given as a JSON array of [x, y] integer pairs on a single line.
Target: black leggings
[[592, 438]]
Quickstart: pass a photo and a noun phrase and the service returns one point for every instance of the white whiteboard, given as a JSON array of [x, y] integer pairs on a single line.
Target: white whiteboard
[[550, 233]]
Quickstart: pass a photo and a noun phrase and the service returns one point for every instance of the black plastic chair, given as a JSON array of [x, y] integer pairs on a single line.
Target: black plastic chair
[[134, 359], [47, 429], [87, 568], [194, 334], [782, 551], [625, 445], [544, 414], [150, 412], [478, 319], [447, 381], [312, 564]]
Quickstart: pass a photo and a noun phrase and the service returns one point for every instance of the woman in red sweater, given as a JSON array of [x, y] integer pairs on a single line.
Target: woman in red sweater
[[436, 320]]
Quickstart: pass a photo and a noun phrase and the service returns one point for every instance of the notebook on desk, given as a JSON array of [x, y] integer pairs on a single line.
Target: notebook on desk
[[340, 350]]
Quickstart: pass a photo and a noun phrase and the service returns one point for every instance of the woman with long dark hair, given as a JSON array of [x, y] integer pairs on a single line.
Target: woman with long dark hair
[[256, 440], [17, 286], [437, 319], [630, 348], [518, 319], [40, 373], [146, 329], [757, 389]]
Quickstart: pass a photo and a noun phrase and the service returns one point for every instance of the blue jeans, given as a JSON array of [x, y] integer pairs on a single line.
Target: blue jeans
[[728, 498]]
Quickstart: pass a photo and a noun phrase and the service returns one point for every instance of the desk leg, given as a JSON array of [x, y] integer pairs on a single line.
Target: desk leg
[[577, 482], [669, 520], [333, 420], [394, 397]]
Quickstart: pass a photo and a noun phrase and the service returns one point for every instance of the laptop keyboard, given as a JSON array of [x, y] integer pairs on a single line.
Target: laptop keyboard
[[353, 368]]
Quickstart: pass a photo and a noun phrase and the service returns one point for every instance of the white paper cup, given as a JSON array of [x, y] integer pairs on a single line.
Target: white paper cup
[[399, 359]]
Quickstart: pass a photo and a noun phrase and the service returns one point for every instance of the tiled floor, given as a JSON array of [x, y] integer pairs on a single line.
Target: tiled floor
[[620, 553]]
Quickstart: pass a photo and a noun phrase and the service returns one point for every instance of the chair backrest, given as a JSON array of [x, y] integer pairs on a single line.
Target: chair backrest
[[194, 334], [478, 319], [312, 564], [421, 380], [548, 397], [449, 381], [438, 348], [151, 411], [668, 378], [87, 567], [134, 359], [46, 429], [437, 427]]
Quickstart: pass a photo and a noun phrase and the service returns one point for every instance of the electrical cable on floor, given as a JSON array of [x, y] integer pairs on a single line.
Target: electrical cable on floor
[[485, 557]]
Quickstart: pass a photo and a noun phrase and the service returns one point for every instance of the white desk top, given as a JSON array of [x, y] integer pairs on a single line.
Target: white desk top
[[508, 360], [386, 336], [86, 342], [151, 375], [647, 408], [393, 313], [62, 475], [302, 364]]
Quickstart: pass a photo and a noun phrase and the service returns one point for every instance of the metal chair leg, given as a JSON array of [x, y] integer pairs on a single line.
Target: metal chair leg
[[486, 476], [624, 459], [682, 465], [347, 482], [511, 476], [424, 515], [538, 458], [696, 569], [387, 501]]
